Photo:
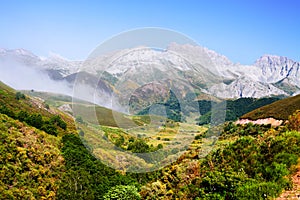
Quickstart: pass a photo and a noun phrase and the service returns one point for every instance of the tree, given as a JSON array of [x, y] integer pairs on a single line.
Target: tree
[[20, 95]]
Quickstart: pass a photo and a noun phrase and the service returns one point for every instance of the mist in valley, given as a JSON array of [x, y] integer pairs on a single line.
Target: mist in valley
[[22, 77]]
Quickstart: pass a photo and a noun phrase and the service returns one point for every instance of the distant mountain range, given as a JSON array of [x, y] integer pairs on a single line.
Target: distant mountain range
[[185, 67]]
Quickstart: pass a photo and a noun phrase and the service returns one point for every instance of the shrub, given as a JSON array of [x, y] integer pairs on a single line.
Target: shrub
[[50, 129], [58, 121], [124, 192], [138, 146], [257, 191], [79, 119], [294, 121], [5, 110], [20, 95]]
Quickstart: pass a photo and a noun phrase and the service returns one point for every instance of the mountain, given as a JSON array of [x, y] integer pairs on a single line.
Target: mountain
[[277, 68], [281, 71], [189, 69], [52, 63]]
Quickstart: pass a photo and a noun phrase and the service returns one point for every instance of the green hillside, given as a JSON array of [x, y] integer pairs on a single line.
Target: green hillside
[[31, 164], [44, 155], [34, 112], [279, 110], [234, 108], [85, 110]]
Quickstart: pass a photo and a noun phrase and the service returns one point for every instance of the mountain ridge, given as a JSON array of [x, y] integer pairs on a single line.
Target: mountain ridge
[[210, 72]]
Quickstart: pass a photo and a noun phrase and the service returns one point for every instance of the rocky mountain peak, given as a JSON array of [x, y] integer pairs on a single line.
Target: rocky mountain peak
[[273, 60], [269, 75], [276, 68]]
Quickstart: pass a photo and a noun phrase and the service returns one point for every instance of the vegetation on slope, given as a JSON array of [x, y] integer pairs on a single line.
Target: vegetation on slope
[[31, 164], [247, 162], [234, 108], [281, 109]]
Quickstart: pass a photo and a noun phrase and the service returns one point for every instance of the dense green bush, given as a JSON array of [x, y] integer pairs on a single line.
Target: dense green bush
[[56, 120], [138, 146], [20, 95], [257, 191], [122, 192]]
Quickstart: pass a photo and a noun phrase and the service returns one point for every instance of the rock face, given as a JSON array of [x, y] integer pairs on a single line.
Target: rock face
[[277, 68], [208, 71]]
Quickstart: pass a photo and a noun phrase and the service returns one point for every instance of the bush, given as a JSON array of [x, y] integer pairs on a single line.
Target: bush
[[257, 191], [294, 121], [138, 146], [122, 192], [20, 95], [58, 121], [35, 120], [79, 119], [5, 110], [50, 129]]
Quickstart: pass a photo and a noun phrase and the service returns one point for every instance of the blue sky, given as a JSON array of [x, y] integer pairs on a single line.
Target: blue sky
[[242, 30]]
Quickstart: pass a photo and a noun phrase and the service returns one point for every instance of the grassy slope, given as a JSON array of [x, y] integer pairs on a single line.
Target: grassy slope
[[105, 116], [8, 98], [279, 110]]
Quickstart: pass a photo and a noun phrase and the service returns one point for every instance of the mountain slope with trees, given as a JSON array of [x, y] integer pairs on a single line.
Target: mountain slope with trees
[[279, 110], [43, 157]]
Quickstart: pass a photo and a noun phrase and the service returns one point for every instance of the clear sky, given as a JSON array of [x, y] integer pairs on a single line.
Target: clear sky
[[242, 30]]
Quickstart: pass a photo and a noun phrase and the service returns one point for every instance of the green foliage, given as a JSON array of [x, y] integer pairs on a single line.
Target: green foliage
[[36, 120], [248, 162], [47, 106], [267, 161], [77, 184], [49, 128], [24, 111], [56, 120], [5, 110], [172, 106], [86, 177], [257, 191], [122, 192], [30, 162], [19, 96], [79, 119], [234, 108], [222, 183], [108, 77], [139, 146]]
